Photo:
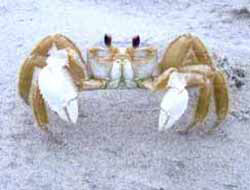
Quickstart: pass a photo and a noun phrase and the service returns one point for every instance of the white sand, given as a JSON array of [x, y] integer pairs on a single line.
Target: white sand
[[116, 144]]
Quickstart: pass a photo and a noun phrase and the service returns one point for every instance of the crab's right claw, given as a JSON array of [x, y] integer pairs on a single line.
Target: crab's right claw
[[58, 88], [51, 76], [174, 102]]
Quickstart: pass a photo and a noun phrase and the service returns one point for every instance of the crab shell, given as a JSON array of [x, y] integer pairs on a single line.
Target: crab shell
[[125, 64]]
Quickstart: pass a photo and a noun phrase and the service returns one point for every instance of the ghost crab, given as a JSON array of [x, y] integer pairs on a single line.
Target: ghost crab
[[55, 72]]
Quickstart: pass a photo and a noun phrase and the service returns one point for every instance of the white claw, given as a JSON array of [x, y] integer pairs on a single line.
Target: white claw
[[57, 87], [174, 102]]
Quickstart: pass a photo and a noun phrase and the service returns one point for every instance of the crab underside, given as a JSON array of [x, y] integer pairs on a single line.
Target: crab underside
[[55, 72]]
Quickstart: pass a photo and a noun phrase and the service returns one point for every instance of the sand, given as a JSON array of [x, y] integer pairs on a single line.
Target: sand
[[116, 143]]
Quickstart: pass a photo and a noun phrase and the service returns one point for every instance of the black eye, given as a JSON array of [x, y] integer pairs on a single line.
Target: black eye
[[107, 40], [136, 41]]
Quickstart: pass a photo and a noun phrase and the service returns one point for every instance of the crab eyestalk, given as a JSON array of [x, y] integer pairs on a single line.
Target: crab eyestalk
[[108, 40], [136, 41]]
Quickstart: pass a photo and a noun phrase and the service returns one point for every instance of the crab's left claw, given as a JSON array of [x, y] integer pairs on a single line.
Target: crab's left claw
[[174, 102], [57, 87]]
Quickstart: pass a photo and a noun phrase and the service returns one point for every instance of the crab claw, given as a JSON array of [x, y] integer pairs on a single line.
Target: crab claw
[[57, 86], [174, 102]]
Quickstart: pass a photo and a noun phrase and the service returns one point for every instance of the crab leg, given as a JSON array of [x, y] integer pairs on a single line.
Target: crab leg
[[38, 107], [202, 107], [75, 55], [203, 104], [26, 75], [25, 79], [93, 84], [199, 78], [201, 52], [159, 83], [176, 53], [221, 97], [75, 69], [37, 58]]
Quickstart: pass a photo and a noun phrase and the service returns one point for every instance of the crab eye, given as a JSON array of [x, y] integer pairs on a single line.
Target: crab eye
[[107, 40], [136, 41]]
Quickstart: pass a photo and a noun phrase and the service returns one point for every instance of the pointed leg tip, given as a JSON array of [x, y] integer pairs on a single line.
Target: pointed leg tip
[[43, 127], [161, 128], [187, 130], [212, 130]]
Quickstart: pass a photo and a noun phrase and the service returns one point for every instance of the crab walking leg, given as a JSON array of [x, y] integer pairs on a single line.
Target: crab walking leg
[[201, 80], [26, 75], [221, 97], [75, 69], [158, 83], [202, 107], [38, 107], [93, 84], [62, 42], [25, 79], [176, 52], [37, 58], [201, 52], [43, 46]]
